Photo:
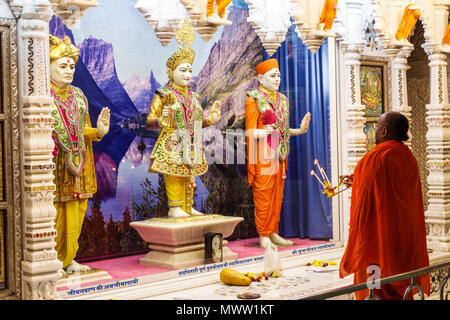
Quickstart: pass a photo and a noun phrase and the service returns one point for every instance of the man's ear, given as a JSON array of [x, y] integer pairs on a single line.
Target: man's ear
[[384, 132], [260, 77]]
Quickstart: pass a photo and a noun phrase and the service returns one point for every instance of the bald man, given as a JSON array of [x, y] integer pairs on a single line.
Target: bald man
[[387, 224]]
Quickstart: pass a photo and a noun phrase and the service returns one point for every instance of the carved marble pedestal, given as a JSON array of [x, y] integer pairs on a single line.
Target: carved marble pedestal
[[71, 280], [179, 242]]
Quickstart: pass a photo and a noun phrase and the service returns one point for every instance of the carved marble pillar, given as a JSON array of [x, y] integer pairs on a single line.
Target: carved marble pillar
[[351, 43], [40, 266], [355, 121], [399, 85], [437, 216]]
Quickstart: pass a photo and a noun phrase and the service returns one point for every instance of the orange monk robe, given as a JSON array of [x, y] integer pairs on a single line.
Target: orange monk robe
[[264, 176], [387, 223]]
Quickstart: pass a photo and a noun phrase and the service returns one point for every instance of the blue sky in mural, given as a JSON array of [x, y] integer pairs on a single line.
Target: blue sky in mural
[[137, 50]]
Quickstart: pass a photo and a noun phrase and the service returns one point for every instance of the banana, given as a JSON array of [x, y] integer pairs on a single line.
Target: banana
[[318, 263], [232, 277], [321, 263]]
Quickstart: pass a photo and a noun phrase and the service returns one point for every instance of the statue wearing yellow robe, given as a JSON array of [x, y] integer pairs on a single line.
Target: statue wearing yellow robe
[[73, 154], [177, 112]]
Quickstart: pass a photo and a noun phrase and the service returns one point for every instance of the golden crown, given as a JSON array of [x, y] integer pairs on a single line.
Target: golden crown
[[185, 37], [62, 48]]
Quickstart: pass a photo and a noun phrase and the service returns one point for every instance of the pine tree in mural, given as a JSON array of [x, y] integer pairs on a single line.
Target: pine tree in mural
[[215, 201], [84, 250], [93, 237], [97, 236], [162, 205], [128, 239], [112, 235], [125, 231], [144, 209]]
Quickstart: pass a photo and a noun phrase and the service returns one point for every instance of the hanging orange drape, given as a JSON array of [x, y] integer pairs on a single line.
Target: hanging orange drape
[[264, 176], [328, 14], [407, 23], [387, 223]]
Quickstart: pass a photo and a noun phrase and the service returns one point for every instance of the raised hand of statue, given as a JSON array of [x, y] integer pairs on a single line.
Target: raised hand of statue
[[103, 122], [214, 116], [303, 126], [305, 123]]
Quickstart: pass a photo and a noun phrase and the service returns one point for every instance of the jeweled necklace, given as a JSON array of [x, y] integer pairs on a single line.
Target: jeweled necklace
[[188, 109], [279, 111], [69, 117], [60, 94]]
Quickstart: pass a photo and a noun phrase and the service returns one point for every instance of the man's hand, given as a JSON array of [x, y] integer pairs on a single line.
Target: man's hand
[[347, 180], [103, 122]]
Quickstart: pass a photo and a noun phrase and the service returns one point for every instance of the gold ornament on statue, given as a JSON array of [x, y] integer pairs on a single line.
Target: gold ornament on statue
[[328, 189], [185, 37]]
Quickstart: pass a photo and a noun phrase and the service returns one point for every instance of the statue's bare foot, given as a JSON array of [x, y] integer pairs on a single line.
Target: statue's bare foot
[[215, 19], [75, 267], [280, 241], [265, 242], [177, 212], [195, 212]]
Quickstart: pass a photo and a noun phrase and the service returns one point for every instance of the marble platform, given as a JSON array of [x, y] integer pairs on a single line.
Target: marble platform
[[70, 280], [179, 242]]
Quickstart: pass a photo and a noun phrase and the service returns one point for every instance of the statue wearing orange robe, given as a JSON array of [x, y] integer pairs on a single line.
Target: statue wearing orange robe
[[268, 132], [387, 224], [328, 14], [409, 19], [265, 175]]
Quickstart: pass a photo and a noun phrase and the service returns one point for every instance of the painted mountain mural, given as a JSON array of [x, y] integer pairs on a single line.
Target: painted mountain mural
[[141, 90], [98, 57]]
